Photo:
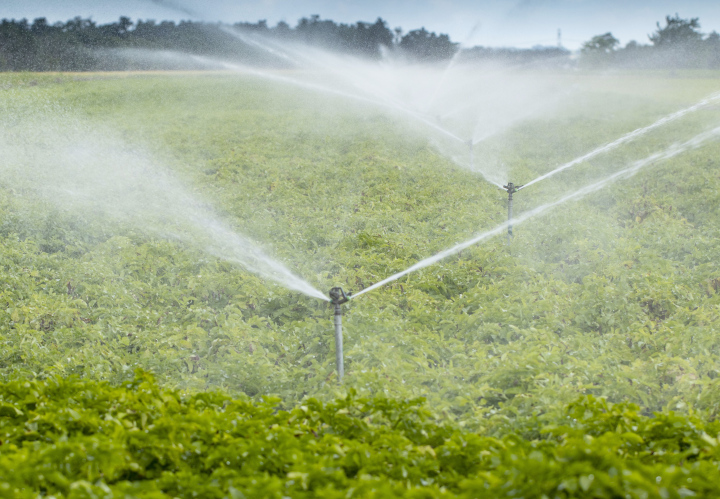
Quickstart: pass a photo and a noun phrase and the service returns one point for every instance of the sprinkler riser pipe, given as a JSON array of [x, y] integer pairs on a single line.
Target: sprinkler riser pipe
[[511, 189], [339, 343], [510, 209], [470, 146], [337, 298]]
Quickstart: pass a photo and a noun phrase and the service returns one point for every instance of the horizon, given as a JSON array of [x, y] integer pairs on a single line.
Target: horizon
[[495, 24]]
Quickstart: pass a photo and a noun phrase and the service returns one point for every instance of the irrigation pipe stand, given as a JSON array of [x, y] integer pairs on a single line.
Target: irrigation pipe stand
[[511, 189], [337, 298]]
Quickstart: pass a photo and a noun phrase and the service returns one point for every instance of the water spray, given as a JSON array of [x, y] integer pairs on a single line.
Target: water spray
[[629, 137], [511, 189], [337, 298], [470, 147], [653, 159]]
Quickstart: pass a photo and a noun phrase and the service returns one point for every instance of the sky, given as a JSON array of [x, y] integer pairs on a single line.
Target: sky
[[491, 23]]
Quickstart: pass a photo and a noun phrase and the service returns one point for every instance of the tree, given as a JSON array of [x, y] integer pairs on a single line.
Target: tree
[[712, 49], [677, 32], [427, 46], [379, 34], [81, 44], [601, 44], [282, 30], [599, 50], [40, 26], [398, 35]]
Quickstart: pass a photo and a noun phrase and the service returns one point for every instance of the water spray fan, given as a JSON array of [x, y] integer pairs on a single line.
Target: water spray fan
[[337, 298], [470, 144]]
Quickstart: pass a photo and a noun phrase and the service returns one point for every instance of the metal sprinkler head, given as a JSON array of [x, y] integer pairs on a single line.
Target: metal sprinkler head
[[338, 296], [512, 188]]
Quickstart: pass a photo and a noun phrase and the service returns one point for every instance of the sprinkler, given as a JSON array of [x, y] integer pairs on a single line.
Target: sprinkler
[[470, 146], [511, 189], [337, 298]]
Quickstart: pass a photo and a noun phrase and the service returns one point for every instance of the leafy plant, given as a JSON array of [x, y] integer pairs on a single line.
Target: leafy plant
[[598, 305]]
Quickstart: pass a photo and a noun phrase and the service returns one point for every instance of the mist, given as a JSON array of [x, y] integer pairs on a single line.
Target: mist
[[89, 171], [455, 105]]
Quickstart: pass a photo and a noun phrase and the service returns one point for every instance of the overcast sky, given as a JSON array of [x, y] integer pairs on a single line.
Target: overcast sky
[[518, 23]]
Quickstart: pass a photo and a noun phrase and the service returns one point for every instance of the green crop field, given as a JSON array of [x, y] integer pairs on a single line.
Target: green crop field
[[580, 360]]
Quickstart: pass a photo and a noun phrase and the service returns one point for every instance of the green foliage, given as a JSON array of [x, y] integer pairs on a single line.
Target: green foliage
[[427, 46], [83, 439], [83, 45], [599, 50], [609, 300], [600, 44], [622, 304], [677, 45], [677, 32]]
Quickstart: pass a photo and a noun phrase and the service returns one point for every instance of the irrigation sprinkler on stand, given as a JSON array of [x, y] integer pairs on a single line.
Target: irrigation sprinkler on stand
[[511, 189], [337, 298]]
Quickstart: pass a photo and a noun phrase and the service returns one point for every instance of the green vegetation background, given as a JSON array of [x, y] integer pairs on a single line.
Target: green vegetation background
[[614, 296]]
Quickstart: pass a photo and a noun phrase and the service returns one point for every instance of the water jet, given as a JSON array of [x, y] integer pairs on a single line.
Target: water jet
[[337, 298], [630, 136], [653, 159]]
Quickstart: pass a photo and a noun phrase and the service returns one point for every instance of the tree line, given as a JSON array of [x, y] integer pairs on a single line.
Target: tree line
[[81, 44], [678, 44]]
